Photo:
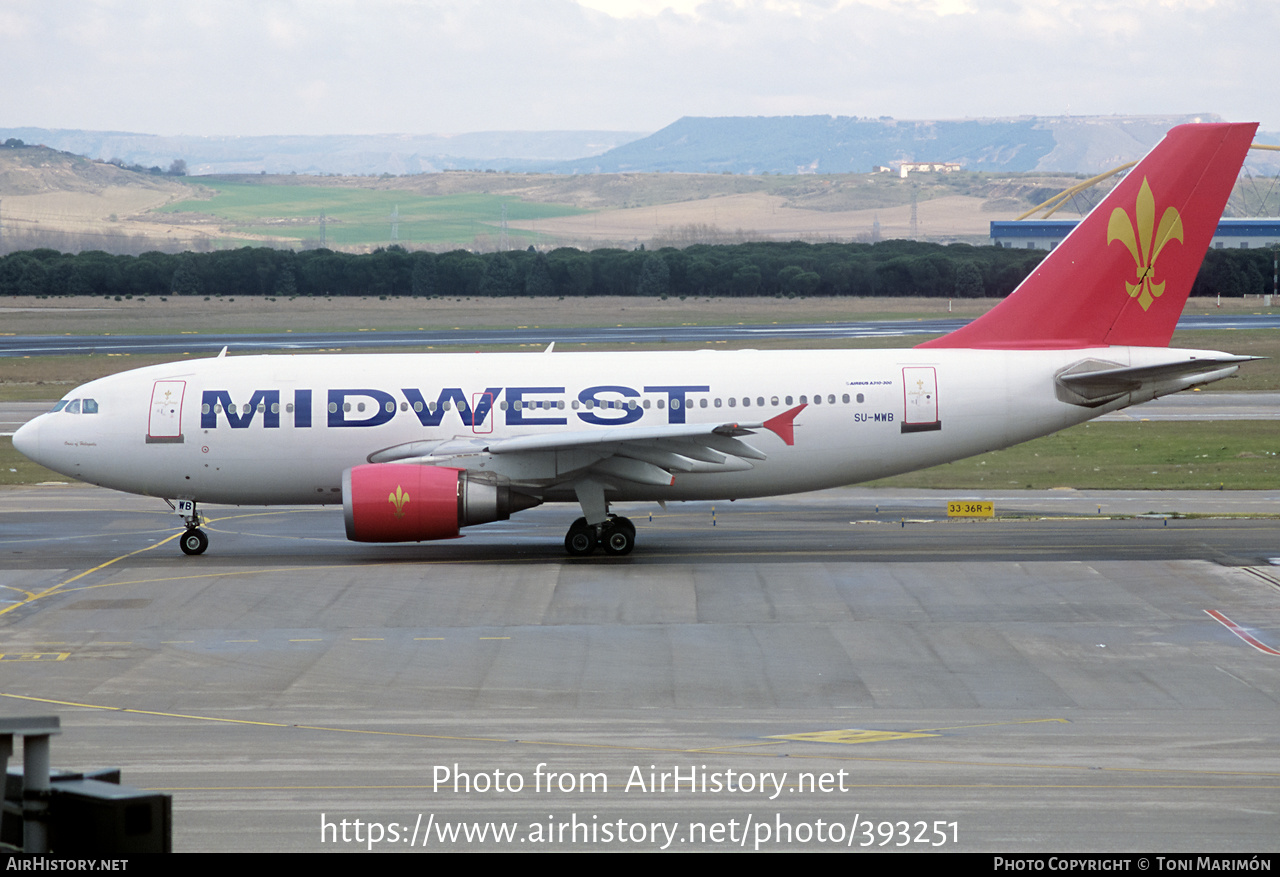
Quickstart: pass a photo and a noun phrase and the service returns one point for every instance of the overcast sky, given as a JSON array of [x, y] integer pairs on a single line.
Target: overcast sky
[[450, 66]]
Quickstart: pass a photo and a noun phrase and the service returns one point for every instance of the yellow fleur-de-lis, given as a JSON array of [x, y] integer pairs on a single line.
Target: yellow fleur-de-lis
[[398, 499], [1144, 241]]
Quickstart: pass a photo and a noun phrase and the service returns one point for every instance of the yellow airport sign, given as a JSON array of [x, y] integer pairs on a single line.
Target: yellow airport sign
[[971, 509]]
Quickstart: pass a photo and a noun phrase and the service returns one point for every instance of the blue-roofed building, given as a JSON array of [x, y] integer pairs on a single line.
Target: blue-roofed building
[[1045, 234]]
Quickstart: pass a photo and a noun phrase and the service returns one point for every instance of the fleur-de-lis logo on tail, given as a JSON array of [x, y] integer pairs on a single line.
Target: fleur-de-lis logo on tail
[[1144, 241], [398, 499]]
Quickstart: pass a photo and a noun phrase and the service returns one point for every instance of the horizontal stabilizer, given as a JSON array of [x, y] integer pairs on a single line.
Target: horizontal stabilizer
[[1098, 383]]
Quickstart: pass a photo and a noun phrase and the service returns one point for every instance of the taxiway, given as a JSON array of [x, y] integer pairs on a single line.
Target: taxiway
[[1047, 681]]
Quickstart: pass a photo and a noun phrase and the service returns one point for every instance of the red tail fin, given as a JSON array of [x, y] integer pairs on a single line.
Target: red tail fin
[[1123, 275]]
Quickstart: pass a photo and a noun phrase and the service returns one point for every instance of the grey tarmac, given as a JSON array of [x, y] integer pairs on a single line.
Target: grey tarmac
[[1046, 682]]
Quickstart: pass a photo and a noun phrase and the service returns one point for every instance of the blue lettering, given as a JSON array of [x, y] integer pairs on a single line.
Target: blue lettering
[[302, 408], [268, 400], [517, 406], [384, 408], [427, 417], [676, 402], [618, 416]]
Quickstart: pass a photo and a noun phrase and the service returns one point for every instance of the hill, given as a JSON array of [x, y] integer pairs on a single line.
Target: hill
[[739, 145], [68, 202], [333, 154], [63, 201], [844, 144]]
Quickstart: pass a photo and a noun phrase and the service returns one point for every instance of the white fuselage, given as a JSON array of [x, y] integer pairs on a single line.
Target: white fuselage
[[263, 430]]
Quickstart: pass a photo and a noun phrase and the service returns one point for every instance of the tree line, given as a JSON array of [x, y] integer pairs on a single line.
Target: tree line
[[886, 268]]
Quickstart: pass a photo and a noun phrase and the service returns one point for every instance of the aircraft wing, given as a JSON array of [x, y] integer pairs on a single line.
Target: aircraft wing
[[642, 454]]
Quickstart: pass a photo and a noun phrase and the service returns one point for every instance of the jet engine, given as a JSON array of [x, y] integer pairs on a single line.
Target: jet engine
[[399, 502]]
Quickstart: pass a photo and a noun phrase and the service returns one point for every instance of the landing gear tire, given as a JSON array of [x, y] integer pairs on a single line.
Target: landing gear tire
[[619, 536], [194, 541], [580, 541]]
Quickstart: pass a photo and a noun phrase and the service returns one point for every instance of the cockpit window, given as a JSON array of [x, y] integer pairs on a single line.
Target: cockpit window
[[61, 404], [90, 406], [73, 407]]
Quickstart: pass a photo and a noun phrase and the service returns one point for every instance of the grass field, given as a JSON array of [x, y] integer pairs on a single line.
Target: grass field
[[17, 469], [1232, 455], [357, 217], [97, 316]]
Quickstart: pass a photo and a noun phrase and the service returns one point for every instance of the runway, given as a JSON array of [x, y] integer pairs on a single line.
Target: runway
[[838, 663], [239, 343]]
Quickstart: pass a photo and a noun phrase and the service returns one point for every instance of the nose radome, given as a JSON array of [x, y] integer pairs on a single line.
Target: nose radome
[[27, 439]]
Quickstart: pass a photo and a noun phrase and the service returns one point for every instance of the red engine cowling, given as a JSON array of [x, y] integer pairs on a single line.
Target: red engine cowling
[[397, 502]]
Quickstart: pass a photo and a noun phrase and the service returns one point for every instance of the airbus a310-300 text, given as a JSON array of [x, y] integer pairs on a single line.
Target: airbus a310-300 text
[[417, 446]]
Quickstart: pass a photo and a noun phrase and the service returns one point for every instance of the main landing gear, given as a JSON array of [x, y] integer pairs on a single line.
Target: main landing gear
[[194, 540], [616, 535]]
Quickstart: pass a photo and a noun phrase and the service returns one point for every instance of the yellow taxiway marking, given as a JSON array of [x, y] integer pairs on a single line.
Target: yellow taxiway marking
[[62, 584], [31, 597], [851, 736], [858, 735], [997, 724], [34, 656], [674, 749]]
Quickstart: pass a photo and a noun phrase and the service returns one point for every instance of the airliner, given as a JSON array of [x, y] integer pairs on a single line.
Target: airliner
[[417, 446]]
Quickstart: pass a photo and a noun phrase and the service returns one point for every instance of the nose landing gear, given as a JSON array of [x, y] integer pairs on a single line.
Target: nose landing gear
[[194, 540]]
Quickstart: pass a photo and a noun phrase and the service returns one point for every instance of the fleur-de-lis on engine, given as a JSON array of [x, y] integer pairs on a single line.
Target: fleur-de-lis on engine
[[398, 499], [1144, 241]]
